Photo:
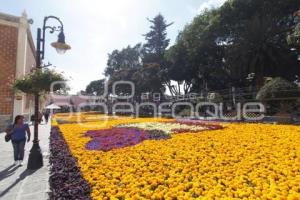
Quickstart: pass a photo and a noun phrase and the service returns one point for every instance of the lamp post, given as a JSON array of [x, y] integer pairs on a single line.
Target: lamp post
[[35, 160]]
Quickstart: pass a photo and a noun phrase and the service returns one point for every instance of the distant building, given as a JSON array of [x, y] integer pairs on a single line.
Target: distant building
[[17, 58], [73, 102]]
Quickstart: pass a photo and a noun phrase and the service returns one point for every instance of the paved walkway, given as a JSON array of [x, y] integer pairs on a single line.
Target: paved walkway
[[17, 183]]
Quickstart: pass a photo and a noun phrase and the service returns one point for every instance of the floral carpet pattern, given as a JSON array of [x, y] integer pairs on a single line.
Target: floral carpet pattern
[[227, 161], [131, 134]]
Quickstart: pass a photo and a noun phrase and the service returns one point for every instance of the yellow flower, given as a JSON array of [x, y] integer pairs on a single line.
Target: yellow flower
[[250, 161]]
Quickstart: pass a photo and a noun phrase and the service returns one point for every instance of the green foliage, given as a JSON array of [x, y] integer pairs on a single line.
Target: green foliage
[[127, 58], [258, 30], [39, 82], [186, 112], [196, 58], [279, 95], [179, 67], [216, 51], [156, 38], [294, 37], [152, 75], [96, 87], [148, 79], [122, 65], [215, 97], [222, 46], [141, 64], [278, 89]]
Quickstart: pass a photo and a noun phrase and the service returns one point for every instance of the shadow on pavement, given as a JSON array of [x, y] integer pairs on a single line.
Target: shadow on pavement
[[8, 172], [22, 176]]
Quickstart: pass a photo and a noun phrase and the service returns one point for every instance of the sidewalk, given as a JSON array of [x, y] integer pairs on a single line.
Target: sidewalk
[[17, 183]]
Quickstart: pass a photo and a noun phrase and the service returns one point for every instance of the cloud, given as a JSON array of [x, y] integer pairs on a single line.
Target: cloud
[[207, 4], [98, 27], [95, 28], [210, 4]]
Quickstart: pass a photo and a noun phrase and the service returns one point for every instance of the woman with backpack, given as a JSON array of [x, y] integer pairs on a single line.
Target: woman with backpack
[[17, 134]]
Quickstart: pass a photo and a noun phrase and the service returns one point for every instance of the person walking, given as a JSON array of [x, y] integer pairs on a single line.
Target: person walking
[[32, 119], [46, 116], [18, 131], [40, 117]]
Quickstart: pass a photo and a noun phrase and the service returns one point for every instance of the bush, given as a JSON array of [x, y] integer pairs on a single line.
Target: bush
[[279, 95], [278, 88], [215, 97], [294, 37], [186, 112]]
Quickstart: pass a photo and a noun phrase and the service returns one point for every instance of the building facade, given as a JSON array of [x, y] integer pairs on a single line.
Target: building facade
[[17, 58]]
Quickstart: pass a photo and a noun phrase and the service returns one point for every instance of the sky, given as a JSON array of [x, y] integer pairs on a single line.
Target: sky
[[94, 28]]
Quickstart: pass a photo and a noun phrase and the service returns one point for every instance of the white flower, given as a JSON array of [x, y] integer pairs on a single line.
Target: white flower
[[166, 127]]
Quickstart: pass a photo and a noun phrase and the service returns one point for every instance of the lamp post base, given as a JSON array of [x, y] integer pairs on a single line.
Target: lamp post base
[[35, 160]]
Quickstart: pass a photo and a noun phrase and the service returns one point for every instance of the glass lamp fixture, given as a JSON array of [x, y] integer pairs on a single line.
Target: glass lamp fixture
[[61, 46]]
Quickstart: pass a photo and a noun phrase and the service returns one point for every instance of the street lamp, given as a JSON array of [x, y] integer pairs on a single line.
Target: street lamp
[[35, 160], [61, 46]]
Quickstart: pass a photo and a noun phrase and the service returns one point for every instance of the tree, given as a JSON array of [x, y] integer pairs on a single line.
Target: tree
[[216, 51], [122, 65], [141, 64], [127, 58], [254, 38], [148, 79], [154, 64], [223, 46], [156, 38], [40, 81], [178, 69], [196, 58], [96, 87]]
